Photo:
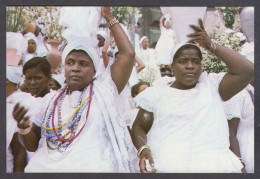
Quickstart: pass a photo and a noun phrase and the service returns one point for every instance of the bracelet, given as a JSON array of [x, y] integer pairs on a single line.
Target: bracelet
[[213, 47], [24, 131], [141, 149], [112, 22]]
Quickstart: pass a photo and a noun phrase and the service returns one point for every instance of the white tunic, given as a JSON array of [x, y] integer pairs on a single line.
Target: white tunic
[[102, 145], [189, 132], [242, 107]]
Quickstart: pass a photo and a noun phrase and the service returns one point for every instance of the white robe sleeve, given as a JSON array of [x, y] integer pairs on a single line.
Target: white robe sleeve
[[233, 107]]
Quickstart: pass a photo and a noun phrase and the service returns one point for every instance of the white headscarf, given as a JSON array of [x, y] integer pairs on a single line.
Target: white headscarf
[[178, 46], [30, 36], [142, 39], [103, 34], [14, 73]]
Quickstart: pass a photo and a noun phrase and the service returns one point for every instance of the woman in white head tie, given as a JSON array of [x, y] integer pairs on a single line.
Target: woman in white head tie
[[182, 128], [78, 129], [166, 41]]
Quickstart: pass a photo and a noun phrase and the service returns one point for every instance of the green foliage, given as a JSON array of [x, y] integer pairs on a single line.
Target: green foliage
[[14, 20], [123, 14], [229, 15]]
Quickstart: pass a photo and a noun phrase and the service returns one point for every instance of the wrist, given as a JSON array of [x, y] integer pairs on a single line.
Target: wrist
[[24, 131], [143, 149]]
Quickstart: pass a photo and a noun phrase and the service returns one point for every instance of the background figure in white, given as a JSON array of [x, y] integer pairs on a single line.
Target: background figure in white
[[166, 41], [240, 114], [151, 71], [31, 48], [15, 153], [166, 77]]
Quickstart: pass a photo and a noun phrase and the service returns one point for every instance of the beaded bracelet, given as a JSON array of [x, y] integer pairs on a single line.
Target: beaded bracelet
[[112, 22], [141, 149], [24, 131]]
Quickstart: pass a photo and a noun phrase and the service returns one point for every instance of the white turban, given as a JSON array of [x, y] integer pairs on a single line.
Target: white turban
[[142, 39], [60, 78], [103, 34], [14, 73], [30, 36], [178, 46]]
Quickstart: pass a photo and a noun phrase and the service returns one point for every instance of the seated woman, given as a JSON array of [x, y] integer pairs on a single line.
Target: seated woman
[[182, 128]]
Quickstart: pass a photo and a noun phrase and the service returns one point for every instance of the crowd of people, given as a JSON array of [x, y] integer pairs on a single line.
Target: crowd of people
[[97, 115]]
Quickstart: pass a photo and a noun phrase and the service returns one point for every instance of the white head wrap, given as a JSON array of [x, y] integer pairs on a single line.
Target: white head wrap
[[178, 46], [103, 34], [30, 36], [60, 78], [14, 73], [79, 34], [142, 39]]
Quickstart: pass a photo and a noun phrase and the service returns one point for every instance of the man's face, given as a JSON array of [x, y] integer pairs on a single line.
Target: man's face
[[36, 81], [101, 40], [79, 70], [187, 69], [31, 46]]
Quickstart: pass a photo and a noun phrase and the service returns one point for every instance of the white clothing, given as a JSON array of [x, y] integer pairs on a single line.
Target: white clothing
[[137, 45], [103, 144], [190, 131], [29, 56], [241, 106], [10, 130], [164, 46], [148, 57], [163, 81]]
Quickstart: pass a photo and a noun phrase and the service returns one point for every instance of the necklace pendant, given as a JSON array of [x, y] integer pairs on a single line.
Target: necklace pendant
[[66, 133]]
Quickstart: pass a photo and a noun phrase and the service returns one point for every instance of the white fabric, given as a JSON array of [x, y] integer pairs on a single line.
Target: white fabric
[[163, 81], [248, 51], [190, 131], [103, 34], [142, 39], [60, 78], [137, 45], [14, 73], [16, 41], [41, 49], [102, 146], [241, 106], [10, 130], [164, 46], [29, 56], [30, 36]]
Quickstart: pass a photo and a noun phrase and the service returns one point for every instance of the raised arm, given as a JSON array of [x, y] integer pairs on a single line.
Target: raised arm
[[141, 127], [28, 134], [240, 70], [161, 21], [104, 52], [121, 69]]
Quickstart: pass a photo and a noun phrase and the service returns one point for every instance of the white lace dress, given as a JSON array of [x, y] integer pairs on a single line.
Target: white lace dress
[[242, 107], [104, 143], [164, 46], [190, 131]]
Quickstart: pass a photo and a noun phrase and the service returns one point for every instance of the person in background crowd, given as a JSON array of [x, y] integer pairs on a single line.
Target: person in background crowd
[[15, 153], [31, 48]]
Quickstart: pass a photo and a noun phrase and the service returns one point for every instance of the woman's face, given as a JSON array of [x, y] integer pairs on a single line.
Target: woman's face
[[53, 84], [36, 81], [31, 46], [167, 25], [187, 69], [79, 70], [145, 43]]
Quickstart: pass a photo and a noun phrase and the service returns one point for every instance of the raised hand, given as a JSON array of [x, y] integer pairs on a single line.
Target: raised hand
[[146, 155], [200, 36], [19, 112]]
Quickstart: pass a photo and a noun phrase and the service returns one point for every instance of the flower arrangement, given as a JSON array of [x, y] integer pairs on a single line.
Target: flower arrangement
[[48, 16], [149, 75]]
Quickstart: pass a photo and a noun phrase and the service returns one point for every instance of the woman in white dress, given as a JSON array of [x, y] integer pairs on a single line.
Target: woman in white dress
[[78, 128], [166, 42], [182, 128], [240, 114]]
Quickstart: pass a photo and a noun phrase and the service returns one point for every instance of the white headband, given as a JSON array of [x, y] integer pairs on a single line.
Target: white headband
[[142, 39], [178, 46], [30, 36], [102, 34]]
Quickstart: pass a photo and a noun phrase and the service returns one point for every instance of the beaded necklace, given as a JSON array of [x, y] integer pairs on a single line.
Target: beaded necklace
[[56, 140]]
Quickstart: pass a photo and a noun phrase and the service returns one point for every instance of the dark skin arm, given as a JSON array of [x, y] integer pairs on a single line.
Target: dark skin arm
[[240, 69], [141, 127], [234, 145], [121, 69], [104, 52], [19, 153], [29, 141]]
